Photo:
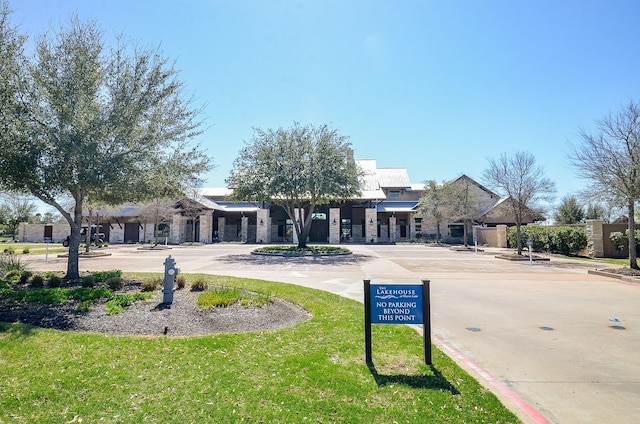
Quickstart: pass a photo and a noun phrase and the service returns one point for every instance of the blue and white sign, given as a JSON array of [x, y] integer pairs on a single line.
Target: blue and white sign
[[396, 304]]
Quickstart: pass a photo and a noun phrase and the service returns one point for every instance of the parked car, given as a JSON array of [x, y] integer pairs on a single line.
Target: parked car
[[99, 239]]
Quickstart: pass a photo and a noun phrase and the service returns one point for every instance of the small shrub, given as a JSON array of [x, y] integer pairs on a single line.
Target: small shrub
[[116, 305], [54, 281], [36, 281], [84, 306], [181, 281], [199, 284], [9, 250], [88, 281], [25, 251], [150, 284], [25, 276], [13, 275], [102, 276], [10, 262], [115, 283]]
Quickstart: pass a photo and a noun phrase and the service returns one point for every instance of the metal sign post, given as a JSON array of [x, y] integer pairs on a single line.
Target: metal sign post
[[397, 304]]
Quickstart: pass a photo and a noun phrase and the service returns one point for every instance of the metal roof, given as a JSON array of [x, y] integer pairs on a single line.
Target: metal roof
[[393, 177], [397, 206], [237, 206]]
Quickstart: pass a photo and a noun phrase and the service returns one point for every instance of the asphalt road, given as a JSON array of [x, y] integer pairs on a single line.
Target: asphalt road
[[554, 343]]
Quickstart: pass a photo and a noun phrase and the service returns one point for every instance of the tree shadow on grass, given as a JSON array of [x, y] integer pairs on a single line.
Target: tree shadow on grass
[[335, 260], [59, 317], [434, 382]]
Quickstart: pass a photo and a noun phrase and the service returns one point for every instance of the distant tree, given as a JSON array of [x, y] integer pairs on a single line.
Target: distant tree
[[297, 168], [82, 121], [463, 203], [595, 211], [50, 217], [570, 211], [15, 209], [434, 205], [522, 181], [609, 158]]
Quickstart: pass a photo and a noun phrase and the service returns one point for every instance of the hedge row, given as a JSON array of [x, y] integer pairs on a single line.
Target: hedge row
[[565, 240]]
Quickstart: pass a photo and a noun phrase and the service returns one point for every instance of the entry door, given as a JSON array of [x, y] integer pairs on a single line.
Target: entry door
[[319, 232], [131, 233], [48, 232]]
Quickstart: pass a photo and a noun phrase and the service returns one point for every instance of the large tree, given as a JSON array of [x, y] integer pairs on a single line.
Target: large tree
[[85, 121], [522, 182], [297, 168], [609, 159]]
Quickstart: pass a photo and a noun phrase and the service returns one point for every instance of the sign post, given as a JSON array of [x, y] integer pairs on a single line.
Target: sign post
[[397, 304]]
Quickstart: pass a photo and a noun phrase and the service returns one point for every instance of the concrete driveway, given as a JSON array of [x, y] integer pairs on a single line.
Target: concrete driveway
[[554, 343]]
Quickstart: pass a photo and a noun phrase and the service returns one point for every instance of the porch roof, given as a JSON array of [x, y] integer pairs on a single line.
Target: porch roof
[[236, 206], [397, 206]]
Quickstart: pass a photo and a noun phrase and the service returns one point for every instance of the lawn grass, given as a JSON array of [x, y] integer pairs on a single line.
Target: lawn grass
[[312, 372], [34, 248]]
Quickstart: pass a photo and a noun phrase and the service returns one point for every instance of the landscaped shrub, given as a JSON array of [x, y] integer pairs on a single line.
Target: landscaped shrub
[[150, 284], [88, 281], [199, 284], [54, 281], [25, 276], [621, 240], [13, 275], [566, 240], [36, 281], [10, 262], [181, 281], [101, 276], [115, 283]]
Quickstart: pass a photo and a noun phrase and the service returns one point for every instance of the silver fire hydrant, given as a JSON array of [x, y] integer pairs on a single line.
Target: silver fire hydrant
[[170, 273]]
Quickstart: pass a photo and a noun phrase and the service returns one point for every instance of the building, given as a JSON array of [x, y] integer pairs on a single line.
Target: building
[[386, 212]]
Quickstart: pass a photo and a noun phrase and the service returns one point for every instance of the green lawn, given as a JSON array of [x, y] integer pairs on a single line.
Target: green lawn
[[312, 372], [34, 248]]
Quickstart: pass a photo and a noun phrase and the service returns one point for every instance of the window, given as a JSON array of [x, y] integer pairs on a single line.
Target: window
[[418, 222], [456, 230], [394, 194]]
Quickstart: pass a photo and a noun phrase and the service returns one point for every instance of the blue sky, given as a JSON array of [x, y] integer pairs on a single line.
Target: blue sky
[[437, 87]]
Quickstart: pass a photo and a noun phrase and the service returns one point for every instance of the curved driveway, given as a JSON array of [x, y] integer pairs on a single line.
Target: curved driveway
[[554, 343]]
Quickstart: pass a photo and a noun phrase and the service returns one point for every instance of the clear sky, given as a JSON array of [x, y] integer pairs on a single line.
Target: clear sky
[[436, 87]]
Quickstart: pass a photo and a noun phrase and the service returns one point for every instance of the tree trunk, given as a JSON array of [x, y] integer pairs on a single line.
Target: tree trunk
[[438, 232], [73, 272], [464, 232], [633, 260], [88, 235], [518, 238]]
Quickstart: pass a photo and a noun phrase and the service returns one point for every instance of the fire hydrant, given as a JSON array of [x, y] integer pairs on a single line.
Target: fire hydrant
[[170, 273]]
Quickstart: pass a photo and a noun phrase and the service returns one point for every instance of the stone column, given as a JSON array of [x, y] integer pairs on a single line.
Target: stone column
[[371, 225], [245, 229], [263, 226], [392, 229], [334, 226], [222, 221], [501, 235], [595, 238], [412, 227], [176, 230], [206, 227]]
